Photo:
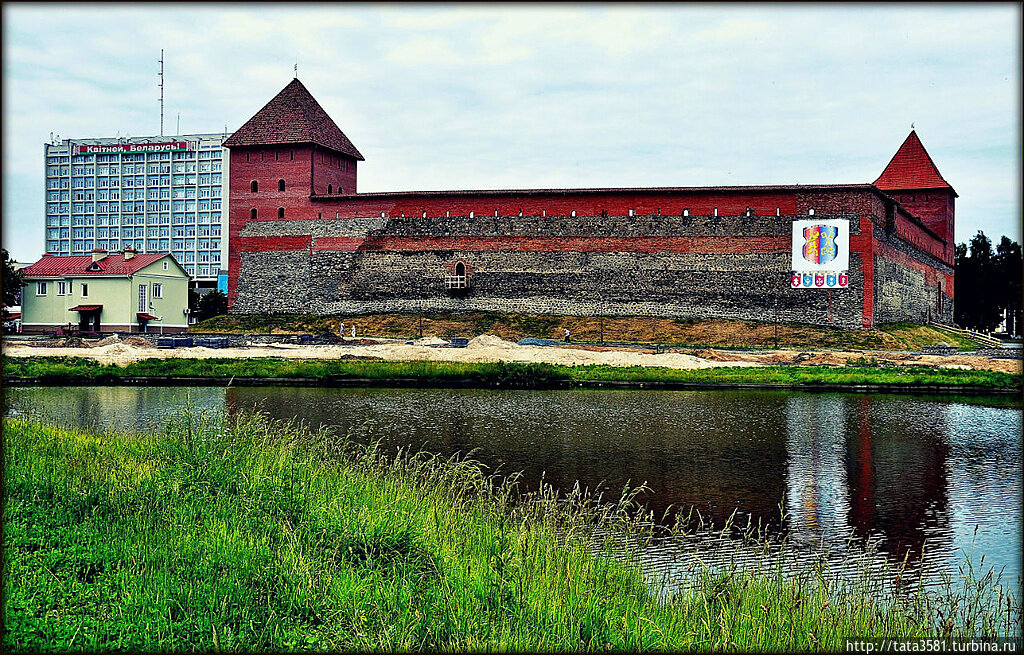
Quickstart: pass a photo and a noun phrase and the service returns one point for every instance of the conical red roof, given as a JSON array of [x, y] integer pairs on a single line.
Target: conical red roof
[[293, 116], [911, 168]]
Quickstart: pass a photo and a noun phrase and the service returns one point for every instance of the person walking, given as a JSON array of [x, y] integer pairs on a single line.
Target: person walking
[[567, 335], [342, 330]]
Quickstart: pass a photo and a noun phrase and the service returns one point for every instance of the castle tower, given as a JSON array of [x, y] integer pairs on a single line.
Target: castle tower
[[289, 151], [916, 183]]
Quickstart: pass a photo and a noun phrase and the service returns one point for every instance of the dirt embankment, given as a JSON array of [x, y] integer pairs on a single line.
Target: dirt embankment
[[490, 348]]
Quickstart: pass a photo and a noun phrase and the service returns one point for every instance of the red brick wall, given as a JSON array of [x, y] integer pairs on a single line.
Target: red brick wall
[[267, 166], [936, 209], [332, 173], [556, 203]]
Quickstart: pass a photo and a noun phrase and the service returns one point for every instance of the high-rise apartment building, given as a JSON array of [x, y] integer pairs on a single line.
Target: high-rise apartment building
[[155, 194]]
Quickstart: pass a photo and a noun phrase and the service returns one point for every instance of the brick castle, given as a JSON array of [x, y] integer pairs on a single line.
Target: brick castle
[[301, 239]]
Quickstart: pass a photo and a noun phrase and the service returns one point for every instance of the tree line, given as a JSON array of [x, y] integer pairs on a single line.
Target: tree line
[[987, 284]]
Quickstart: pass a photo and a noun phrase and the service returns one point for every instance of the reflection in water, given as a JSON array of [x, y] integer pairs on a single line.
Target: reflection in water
[[931, 478], [817, 498]]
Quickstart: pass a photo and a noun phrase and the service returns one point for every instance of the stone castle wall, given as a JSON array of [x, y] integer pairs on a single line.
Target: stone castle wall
[[686, 266]]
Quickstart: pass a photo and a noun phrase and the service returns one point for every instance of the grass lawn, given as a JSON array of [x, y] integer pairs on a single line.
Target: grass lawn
[[502, 374]]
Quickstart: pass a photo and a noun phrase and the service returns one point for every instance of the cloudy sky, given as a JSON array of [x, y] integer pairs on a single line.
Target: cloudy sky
[[519, 96]]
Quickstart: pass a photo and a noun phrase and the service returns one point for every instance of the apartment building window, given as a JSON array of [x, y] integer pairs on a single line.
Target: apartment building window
[[40, 288], [85, 290]]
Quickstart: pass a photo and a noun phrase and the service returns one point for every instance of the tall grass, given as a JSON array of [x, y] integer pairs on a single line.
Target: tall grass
[[239, 533]]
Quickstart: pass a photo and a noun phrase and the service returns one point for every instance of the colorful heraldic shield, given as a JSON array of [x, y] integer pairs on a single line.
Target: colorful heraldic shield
[[802, 280], [821, 246], [821, 254], [820, 243]]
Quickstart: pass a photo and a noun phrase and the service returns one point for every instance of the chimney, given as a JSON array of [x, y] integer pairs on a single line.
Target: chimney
[[98, 254], [129, 252]]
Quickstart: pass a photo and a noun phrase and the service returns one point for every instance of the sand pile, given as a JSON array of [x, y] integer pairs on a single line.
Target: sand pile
[[491, 341], [138, 342], [430, 341]]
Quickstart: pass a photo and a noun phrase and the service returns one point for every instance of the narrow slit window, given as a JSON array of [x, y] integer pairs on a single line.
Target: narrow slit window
[[280, 185], [280, 212], [252, 213], [254, 186]]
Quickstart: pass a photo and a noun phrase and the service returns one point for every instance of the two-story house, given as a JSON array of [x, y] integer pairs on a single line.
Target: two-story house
[[101, 292]]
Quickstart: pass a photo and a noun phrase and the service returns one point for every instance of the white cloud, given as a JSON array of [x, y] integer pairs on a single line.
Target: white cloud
[[505, 96]]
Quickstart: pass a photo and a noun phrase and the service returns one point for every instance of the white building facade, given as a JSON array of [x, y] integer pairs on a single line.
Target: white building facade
[[154, 194]]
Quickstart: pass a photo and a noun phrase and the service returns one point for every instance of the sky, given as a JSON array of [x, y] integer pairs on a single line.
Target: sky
[[541, 96]]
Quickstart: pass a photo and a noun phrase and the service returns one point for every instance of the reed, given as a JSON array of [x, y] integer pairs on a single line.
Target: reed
[[242, 533]]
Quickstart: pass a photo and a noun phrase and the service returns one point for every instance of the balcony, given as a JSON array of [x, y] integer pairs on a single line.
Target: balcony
[[456, 281]]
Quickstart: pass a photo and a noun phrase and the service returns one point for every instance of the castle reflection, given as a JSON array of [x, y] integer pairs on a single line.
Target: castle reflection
[[820, 468]]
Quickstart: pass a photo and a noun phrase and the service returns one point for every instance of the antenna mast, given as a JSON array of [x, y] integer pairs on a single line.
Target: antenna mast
[[161, 85]]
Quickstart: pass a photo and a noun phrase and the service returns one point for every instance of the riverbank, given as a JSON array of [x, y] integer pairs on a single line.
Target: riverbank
[[864, 375], [222, 534]]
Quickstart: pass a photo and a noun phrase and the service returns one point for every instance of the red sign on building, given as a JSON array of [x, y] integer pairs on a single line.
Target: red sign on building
[[145, 146]]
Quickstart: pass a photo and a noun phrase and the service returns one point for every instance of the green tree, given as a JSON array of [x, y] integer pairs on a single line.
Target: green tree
[[207, 305], [1009, 264], [12, 281], [986, 283]]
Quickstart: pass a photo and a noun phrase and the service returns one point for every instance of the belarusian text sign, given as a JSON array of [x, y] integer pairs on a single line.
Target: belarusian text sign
[[145, 146]]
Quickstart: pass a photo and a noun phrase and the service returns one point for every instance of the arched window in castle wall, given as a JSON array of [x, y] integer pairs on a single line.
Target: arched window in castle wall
[[252, 213], [280, 185], [330, 189], [254, 186], [280, 212], [457, 276]]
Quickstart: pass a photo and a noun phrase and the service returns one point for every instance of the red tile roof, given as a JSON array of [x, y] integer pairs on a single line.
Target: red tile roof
[[293, 116], [54, 266], [911, 168], [85, 308]]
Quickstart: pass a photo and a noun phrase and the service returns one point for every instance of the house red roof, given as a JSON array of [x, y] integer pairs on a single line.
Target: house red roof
[[85, 308], [54, 266], [911, 168], [293, 116]]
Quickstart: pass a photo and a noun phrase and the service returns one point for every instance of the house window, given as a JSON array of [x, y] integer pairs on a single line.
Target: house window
[[85, 290], [40, 288], [165, 266], [62, 288], [254, 186], [280, 185], [158, 290], [280, 212]]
